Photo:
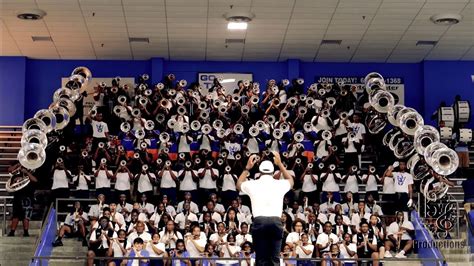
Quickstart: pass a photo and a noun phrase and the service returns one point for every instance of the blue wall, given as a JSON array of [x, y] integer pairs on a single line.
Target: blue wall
[[26, 85], [12, 90]]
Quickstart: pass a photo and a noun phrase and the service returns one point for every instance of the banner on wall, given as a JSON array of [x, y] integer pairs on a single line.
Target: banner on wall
[[89, 99], [395, 85], [229, 80]]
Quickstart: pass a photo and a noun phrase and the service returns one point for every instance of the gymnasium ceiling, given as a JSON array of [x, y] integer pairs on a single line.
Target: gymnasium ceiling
[[370, 30]]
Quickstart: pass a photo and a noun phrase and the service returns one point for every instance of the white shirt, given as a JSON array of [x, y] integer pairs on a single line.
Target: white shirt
[[371, 182], [82, 185], [188, 183], [167, 181], [193, 207], [228, 182], [164, 237], [293, 237], [123, 181], [343, 252], [125, 210], [240, 239], [191, 247], [147, 208], [99, 129], [117, 250], [205, 144], [401, 181], [102, 180], [350, 145], [60, 179], [323, 239], [308, 184], [300, 253], [388, 185], [324, 208], [357, 128], [207, 182], [233, 148], [96, 210], [183, 145], [217, 207], [144, 183], [160, 246], [252, 145], [266, 195], [215, 216], [394, 228], [70, 218], [145, 236], [352, 184], [104, 243], [117, 218], [180, 219], [330, 182]]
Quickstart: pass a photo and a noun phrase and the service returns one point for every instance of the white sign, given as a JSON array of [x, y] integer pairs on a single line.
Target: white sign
[[228, 80], [89, 99], [395, 85]]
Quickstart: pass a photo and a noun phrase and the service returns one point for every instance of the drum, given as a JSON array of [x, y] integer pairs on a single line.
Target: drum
[[462, 111], [446, 114], [446, 133], [465, 135]]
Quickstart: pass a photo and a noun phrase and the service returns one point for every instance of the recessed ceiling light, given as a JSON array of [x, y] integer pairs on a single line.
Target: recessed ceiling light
[[31, 14], [237, 25], [238, 20], [335, 42], [41, 38], [429, 43], [138, 39], [446, 19]]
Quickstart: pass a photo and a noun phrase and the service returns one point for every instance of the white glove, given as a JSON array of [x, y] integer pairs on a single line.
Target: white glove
[[395, 164], [410, 203]]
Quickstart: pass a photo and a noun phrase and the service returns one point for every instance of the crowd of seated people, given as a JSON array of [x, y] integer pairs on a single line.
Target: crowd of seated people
[[164, 160]]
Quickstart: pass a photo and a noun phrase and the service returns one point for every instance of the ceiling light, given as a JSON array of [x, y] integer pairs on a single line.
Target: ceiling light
[[238, 20], [335, 42], [237, 25], [227, 80], [446, 19], [31, 14], [428, 43]]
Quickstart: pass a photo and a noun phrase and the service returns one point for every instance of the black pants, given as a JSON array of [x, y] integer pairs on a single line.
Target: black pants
[[402, 201], [267, 235]]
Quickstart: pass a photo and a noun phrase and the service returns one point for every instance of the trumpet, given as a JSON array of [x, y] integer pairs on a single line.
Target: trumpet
[[220, 161], [321, 92], [326, 135], [59, 161], [136, 155], [245, 109], [277, 133], [136, 112], [164, 103], [284, 114], [63, 148], [143, 145], [188, 164], [85, 154], [164, 137], [103, 161], [372, 169], [182, 156], [302, 110], [139, 134], [149, 125], [271, 119], [235, 98], [331, 101], [148, 92], [343, 115], [254, 100], [160, 118], [123, 163], [204, 115], [159, 161], [217, 124], [181, 101], [285, 82], [197, 161], [101, 145], [202, 105], [238, 156], [238, 129], [298, 160], [222, 109], [310, 166], [300, 81], [206, 129], [145, 77], [172, 92], [293, 101], [160, 86], [276, 101], [354, 168], [168, 163], [246, 83], [122, 100], [275, 90], [332, 167], [307, 127], [325, 113], [299, 136], [195, 125], [182, 83], [253, 131], [227, 168], [181, 110], [144, 168]]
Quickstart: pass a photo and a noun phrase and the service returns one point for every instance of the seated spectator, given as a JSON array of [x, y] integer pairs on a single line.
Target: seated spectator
[[139, 232], [74, 225], [348, 249], [156, 250], [326, 238], [119, 248], [100, 240], [192, 205], [180, 254], [304, 249], [138, 253], [399, 237], [329, 205], [95, 211], [366, 243], [170, 236], [184, 219]]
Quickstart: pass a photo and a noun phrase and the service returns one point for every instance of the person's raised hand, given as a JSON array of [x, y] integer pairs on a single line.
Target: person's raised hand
[[276, 158], [251, 162]]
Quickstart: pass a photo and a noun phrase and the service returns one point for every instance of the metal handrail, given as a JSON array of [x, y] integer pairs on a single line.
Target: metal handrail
[[4, 213], [43, 226]]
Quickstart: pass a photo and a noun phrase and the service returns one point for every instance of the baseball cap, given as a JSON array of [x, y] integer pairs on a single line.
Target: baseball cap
[[266, 167]]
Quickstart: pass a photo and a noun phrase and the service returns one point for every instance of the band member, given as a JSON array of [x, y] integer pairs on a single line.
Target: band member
[[74, 225], [22, 199], [366, 243], [399, 237], [403, 185]]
